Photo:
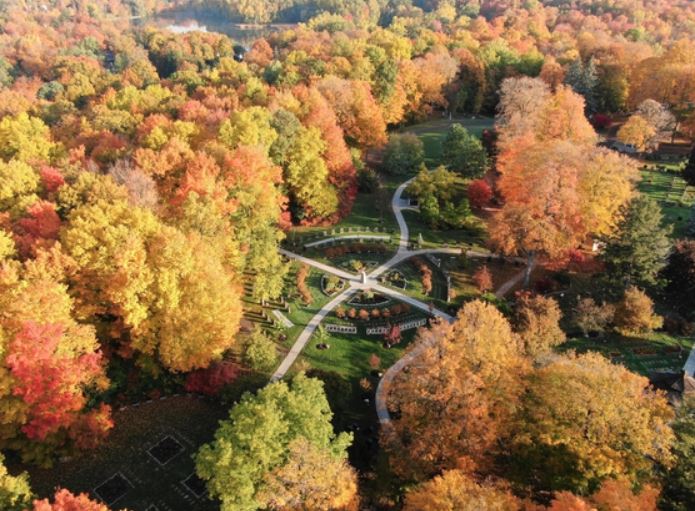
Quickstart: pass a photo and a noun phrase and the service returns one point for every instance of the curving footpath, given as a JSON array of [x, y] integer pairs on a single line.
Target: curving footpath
[[382, 390], [370, 282], [308, 331]]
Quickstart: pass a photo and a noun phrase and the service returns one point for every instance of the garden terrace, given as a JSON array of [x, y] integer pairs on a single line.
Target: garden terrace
[[670, 190]]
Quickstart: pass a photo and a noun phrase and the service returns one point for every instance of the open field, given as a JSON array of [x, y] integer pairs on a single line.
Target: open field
[[432, 133], [672, 194]]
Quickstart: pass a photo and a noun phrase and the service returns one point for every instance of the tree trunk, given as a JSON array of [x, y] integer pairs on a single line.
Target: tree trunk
[[674, 132], [530, 262]]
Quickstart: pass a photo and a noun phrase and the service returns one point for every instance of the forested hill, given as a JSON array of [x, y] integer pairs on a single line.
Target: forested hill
[[148, 179], [663, 16]]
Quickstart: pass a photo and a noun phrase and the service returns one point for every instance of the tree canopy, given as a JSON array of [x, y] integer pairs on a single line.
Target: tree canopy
[[273, 445]]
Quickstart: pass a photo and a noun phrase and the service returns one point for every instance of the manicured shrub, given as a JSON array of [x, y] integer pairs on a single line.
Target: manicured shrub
[[634, 314], [303, 289]]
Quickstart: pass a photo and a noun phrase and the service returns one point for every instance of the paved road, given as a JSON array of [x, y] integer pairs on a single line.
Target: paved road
[[412, 301], [689, 366]]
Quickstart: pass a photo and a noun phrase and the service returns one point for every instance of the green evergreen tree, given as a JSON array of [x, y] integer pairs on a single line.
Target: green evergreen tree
[[463, 153], [678, 493], [584, 81], [680, 275], [637, 252]]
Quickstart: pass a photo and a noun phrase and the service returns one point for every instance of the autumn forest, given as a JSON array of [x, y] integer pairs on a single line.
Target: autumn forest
[[313, 255]]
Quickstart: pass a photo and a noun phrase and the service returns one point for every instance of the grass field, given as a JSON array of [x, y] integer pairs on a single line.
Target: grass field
[[370, 210], [472, 238], [672, 194], [432, 133], [349, 354]]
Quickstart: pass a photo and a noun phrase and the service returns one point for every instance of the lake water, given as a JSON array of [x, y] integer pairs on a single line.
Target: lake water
[[189, 20]]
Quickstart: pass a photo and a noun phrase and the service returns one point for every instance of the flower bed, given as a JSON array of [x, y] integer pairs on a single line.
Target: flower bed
[[368, 298], [395, 278], [356, 248], [332, 285], [397, 310]]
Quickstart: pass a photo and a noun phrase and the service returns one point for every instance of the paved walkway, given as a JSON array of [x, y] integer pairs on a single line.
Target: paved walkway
[[397, 205], [357, 283], [382, 390], [380, 237], [689, 367], [283, 319], [306, 334], [321, 266]]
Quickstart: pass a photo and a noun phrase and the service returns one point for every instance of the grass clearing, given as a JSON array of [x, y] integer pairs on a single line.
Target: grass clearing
[[433, 238], [432, 133], [673, 195], [349, 355]]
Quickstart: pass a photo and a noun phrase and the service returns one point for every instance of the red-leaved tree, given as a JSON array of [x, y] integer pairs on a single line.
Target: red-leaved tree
[[479, 193], [66, 501], [49, 380]]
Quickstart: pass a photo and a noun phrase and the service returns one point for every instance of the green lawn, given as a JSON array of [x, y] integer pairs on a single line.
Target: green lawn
[[654, 352], [300, 314], [370, 211], [432, 133], [675, 198], [414, 283], [349, 355], [472, 238], [373, 259]]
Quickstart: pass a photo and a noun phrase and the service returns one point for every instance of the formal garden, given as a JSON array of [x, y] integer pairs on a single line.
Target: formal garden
[[359, 339]]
